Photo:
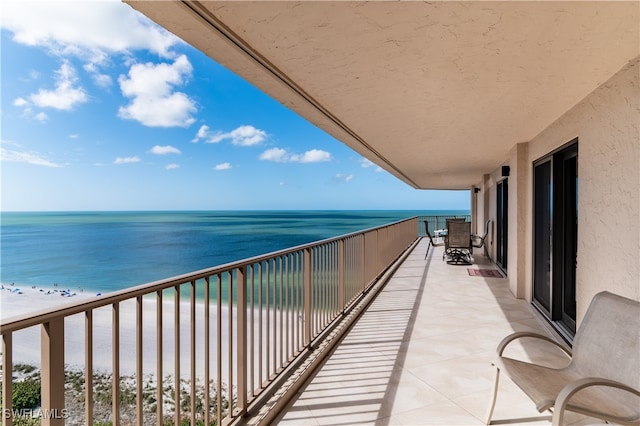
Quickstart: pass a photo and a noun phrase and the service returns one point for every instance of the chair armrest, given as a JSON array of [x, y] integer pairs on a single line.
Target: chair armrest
[[510, 338], [577, 385]]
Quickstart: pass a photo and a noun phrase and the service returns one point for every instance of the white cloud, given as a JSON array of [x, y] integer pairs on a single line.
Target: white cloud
[[202, 133], [312, 156], [126, 160], [246, 135], [365, 163], [99, 79], [27, 111], [280, 155], [223, 166], [26, 157], [102, 80], [163, 150], [20, 102], [66, 94], [155, 79], [86, 29], [172, 166], [341, 177], [153, 101]]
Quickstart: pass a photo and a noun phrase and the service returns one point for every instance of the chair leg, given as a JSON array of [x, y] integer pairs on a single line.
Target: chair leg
[[486, 251], [494, 394]]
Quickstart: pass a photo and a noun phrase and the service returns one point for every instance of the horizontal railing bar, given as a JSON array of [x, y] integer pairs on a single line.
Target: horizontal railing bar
[[31, 319]]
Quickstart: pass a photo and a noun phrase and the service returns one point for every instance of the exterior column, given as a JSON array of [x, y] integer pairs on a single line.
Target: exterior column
[[519, 255]]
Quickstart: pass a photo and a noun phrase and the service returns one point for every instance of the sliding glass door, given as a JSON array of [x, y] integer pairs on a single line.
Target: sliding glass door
[[502, 223], [568, 236], [555, 235]]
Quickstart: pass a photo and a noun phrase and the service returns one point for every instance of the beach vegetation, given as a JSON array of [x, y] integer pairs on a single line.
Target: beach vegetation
[[26, 421], [26, 396], [26, 369]]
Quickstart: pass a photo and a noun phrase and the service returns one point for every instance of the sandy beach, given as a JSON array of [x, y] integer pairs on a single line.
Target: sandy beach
[[16, 299], [26, 343]]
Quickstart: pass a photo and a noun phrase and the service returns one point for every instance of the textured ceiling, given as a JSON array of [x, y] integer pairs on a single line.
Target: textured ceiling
[[436, 93]]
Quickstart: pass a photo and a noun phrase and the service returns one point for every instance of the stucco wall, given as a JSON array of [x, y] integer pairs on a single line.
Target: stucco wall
[[607, 123]]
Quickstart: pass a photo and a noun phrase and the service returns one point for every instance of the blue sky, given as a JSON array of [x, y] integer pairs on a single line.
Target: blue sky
[[104, 110]]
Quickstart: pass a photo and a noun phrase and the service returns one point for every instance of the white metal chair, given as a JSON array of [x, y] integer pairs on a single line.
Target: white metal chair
[[602, 379], [478, 241], [432, 243]]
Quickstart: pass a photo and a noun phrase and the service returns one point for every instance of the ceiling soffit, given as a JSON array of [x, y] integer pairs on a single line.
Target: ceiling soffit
[[435, 93]]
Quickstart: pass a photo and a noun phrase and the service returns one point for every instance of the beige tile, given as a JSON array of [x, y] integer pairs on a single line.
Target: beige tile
[[421, 354], [457, 377], [446, 413], [512, 406], [298, 414]]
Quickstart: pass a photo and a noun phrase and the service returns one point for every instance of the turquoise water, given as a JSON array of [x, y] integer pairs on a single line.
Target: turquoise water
[[108, 251]]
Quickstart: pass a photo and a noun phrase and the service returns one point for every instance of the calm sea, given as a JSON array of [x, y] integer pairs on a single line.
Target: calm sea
[[107, 251]]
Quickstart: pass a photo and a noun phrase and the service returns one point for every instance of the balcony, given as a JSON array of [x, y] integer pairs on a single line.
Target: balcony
[[200, 347], [421, 354], [400, 338]]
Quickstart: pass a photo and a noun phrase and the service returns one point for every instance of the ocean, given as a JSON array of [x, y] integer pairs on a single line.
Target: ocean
[[108, 251]]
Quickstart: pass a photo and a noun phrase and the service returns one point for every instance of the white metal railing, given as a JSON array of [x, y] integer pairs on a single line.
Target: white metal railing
[[245, 322]]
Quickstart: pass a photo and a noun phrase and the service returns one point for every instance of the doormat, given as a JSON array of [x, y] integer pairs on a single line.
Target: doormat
[[490, 273]]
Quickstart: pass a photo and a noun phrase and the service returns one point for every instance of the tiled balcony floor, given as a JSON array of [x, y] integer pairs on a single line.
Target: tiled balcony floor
[[421, 354]]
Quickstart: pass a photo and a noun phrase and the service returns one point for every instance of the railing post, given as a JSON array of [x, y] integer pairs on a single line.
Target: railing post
[[377, 252], [88, 367], [242, 339], [176, 354], [307, 296], [341, 289], [52, 372], [115, 353], [7, 385], [363, 261], [139, 355], [159, 348]]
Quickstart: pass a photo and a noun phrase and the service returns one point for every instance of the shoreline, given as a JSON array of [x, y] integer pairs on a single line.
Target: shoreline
[[27, 342]]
